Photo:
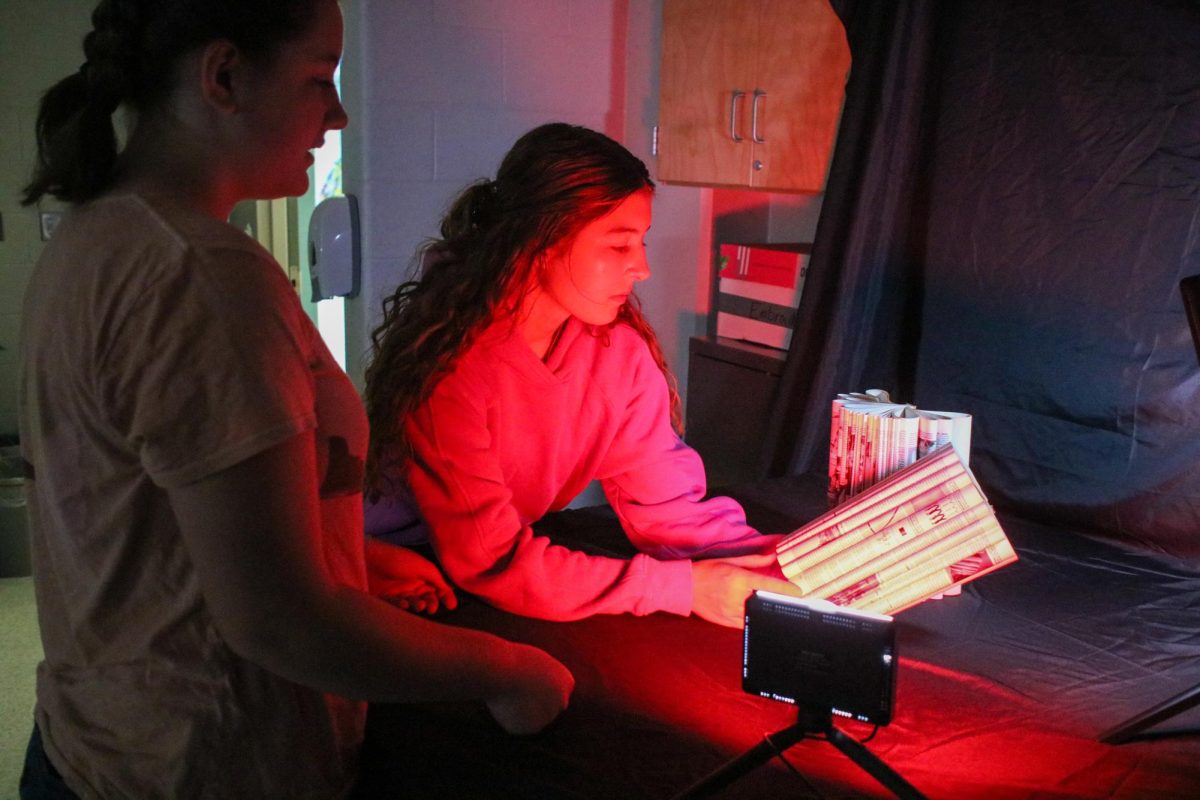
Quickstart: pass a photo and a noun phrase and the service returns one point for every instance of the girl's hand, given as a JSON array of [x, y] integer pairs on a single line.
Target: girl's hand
[[539, 687], [407, 579], [771, 542], [720, 586]]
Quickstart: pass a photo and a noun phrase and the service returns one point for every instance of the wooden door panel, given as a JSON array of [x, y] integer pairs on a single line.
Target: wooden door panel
[[803, 60], [707, 53]]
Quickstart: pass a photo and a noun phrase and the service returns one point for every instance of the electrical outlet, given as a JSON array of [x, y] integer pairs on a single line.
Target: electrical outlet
[[49, 221]]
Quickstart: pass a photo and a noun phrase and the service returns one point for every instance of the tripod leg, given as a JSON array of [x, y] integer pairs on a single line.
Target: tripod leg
[[1130, 729], [871, 763], [759, 754]]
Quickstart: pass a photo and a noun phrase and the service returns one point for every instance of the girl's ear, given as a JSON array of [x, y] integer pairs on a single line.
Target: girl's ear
[[543, 265], [521, 293], [220, 67], [550, 259]]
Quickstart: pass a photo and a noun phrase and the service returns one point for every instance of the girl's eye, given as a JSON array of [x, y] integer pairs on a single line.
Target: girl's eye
[[621, 248]]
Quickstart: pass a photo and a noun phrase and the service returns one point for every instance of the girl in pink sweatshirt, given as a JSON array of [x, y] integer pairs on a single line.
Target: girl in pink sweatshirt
[[517, 368]]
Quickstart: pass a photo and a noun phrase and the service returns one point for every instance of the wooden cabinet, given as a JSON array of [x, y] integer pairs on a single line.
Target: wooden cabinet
[[750, 92], [731, 386]]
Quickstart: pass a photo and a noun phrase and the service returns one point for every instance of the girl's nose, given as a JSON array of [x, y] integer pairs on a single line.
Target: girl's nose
[[641, 268], [337, 118]]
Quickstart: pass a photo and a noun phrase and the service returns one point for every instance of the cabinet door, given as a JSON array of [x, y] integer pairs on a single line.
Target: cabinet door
[[731, 386], [707, 55], [802, 63], [791, 53]]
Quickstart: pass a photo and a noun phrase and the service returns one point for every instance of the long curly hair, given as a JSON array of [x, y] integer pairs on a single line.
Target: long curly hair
[[555, 180]]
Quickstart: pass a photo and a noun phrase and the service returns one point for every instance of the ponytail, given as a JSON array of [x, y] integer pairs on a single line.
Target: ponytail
[[131, 54], [76, 142]]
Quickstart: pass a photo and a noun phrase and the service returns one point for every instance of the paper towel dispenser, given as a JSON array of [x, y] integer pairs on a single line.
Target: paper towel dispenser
[[333, 248]]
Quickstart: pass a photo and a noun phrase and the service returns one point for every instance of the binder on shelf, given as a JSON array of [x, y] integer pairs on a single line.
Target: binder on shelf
[[758, 291]]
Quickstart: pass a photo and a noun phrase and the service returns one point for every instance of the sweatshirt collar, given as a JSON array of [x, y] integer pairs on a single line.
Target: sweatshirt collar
[[504, 341]]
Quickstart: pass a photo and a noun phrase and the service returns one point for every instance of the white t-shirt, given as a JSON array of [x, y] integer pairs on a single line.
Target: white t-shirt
[[158, 347]]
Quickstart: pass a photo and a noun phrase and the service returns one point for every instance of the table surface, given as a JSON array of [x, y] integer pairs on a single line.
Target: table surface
[[1001, 692]]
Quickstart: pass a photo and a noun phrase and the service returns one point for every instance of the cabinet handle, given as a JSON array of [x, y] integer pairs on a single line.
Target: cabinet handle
[[736, 95], [754, 137]]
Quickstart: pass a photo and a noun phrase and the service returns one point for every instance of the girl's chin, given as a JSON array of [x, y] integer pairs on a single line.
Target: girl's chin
[[600, 318]]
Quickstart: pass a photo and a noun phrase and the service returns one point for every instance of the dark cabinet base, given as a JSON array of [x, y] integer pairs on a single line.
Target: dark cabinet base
[[731, 386]]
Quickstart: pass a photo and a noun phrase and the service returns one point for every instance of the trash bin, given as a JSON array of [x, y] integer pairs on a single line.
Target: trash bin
[[14, 527]]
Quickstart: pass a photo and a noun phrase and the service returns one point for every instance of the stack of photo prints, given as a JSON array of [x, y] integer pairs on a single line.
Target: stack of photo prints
[[909, 521]]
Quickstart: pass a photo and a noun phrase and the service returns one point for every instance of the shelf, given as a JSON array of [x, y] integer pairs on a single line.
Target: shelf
[[731, 387], [739, 352]]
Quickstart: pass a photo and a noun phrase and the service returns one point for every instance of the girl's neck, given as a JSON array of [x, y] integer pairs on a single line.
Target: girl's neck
[[164, 163], [541, 323]]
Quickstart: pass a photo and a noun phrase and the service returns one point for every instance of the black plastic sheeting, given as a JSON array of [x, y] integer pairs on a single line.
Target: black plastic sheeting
[[1094, 632], [1001, 692], [1063, 209]]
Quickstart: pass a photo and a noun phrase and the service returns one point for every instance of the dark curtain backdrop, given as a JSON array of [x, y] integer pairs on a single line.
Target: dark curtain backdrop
[[1014, 197], [863, 278]]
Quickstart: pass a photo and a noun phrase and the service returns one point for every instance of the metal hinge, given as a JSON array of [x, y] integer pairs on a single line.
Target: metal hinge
[[654, 141]]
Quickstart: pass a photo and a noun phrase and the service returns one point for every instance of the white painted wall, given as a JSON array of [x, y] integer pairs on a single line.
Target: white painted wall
[[438, 90], [39, 44]]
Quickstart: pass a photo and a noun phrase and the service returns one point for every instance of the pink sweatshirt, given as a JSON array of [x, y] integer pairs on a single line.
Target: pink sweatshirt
[[505, 438]]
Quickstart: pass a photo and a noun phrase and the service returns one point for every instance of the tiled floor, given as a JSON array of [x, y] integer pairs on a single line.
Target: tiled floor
[[20, 650]]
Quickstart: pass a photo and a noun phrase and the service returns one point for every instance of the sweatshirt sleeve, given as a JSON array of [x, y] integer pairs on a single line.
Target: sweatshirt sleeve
[[485, 548], [656, 483]]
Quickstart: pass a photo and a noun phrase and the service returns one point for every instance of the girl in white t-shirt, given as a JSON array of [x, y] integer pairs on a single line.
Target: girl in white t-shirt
[[195, 457]]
